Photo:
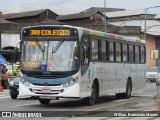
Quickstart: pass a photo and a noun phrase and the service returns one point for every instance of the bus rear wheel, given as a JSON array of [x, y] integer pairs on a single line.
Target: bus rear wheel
[[44, 101], [127, 94], [92, 99]]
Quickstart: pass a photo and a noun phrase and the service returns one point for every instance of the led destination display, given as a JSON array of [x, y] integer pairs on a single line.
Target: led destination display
[[49, 32]]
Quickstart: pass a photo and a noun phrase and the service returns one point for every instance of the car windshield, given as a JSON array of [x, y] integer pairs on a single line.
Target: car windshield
[[50, 55]]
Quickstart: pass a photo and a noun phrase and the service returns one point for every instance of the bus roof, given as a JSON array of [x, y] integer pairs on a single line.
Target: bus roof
[[97, 33], [111, 35]]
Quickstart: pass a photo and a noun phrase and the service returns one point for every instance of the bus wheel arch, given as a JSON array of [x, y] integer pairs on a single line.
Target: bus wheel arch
[[127, 94], [94, 93]]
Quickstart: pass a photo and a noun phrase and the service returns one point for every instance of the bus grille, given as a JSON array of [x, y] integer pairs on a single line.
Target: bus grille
[[47, 85], [39, 91]]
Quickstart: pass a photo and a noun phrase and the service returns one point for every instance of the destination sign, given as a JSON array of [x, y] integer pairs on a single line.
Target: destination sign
[[52, 31]]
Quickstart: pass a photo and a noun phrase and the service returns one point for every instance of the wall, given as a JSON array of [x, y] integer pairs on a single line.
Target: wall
[[33, 19], [158, 48], [82, 21], [9, 39], [150, 45]]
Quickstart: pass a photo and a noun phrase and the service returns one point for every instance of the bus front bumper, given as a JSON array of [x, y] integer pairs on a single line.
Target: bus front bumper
[[50, 91]]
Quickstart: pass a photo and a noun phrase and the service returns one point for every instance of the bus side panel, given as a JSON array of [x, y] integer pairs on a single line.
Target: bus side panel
[[84, 84], [121, 77], [137, 74], [140, 81], [95, 71], [110, 70]]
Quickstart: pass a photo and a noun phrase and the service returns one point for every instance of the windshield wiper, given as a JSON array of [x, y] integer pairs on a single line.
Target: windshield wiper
[[39, 46], [54, 50]]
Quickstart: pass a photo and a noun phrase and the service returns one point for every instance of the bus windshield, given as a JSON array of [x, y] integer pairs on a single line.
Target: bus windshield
[[50, 55]]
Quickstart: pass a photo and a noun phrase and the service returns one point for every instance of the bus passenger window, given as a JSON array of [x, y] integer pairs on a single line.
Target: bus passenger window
[[104, 54], [131, 59], [111, 51], [137, 54], [142, 54], [125, 52], [118, 52], [94, 49]]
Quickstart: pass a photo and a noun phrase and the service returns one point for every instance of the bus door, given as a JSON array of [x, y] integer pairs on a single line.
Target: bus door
[[84, 54], [85, 59]]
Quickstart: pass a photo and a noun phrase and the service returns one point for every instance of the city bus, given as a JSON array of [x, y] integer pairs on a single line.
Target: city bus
[[62, 61]]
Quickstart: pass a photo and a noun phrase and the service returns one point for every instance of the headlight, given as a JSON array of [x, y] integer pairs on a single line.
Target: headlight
[[25, 83], [11, 83], [70, 83]]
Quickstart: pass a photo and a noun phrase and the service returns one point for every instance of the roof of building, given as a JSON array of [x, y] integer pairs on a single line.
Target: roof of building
[[77, 15], [51, 21], [152, 26], [157, 16], [102, 9], [32, 7], [5, 21], [23, 14], [126, 13]]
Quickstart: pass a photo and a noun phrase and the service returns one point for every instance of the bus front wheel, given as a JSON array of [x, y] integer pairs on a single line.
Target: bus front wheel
[[92, 99], [44, 101]]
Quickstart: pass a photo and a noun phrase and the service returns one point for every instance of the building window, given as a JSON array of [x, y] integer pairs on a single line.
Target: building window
[[118, 52], [94, 49], [111, 51]]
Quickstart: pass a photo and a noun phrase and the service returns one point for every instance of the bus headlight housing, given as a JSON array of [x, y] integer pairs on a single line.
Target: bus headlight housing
[[25, 83], [70, 83]]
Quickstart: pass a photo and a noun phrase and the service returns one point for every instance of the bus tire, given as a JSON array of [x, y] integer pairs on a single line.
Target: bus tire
[[44, 101], [119, 95], [92, 99], [127, 94], [13, 96]]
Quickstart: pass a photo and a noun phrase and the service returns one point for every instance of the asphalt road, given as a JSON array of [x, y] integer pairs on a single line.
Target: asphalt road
[[142, 100]]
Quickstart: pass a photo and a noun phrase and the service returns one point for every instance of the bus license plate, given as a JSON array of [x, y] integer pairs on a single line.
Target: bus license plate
[[46, 90]]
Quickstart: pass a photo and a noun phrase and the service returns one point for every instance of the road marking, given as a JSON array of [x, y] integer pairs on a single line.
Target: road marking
[[5, 94], [24, 105], [87, 112], [4, 97]]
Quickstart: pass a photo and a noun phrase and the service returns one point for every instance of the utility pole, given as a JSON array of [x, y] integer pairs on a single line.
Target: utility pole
[[105, 22], [145, 21]]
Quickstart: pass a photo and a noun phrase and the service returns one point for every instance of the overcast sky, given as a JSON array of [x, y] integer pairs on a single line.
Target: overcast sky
[[79, 5]]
